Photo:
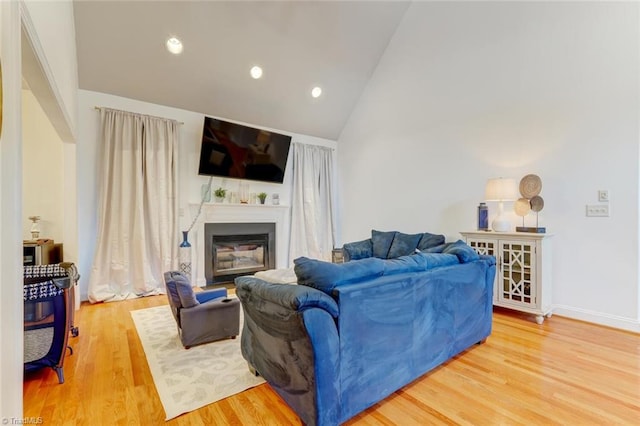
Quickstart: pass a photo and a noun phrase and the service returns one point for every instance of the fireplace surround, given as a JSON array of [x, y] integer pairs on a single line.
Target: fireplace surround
[[235, 249], [227, 213]]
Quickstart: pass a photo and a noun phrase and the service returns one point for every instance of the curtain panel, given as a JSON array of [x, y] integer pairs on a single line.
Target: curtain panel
[[312, 204], [138, 206]]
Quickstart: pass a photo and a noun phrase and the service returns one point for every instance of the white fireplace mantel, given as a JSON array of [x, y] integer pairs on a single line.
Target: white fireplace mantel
[[237, 213]]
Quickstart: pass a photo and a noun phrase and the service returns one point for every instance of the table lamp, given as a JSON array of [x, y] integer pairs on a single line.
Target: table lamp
[[35, 228], [501, 190]]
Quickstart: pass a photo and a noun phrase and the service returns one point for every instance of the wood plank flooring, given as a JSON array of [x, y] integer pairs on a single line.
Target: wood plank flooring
[[562, 372]]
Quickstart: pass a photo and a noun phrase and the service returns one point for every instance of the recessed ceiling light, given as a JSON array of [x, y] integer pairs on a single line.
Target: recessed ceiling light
[[256, 72], [174, 45], [316, 92]]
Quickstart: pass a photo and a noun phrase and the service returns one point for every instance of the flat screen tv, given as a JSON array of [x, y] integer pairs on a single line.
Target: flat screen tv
[[236, 151]]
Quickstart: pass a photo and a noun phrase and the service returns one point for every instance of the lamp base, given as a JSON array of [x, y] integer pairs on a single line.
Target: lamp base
[[501, 225], [531, 229]]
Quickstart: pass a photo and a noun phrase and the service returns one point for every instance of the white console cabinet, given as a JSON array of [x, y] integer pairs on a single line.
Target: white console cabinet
[[523, 269]]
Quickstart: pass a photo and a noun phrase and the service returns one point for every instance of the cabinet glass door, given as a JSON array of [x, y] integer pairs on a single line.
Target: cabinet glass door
[[490, 248], [483, 246], [517, 273]]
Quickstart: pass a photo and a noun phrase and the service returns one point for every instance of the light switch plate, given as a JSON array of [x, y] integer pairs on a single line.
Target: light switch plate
[[598, 210]]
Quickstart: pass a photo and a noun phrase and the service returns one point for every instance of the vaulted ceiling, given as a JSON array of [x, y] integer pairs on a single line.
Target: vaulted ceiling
[[299, 44]]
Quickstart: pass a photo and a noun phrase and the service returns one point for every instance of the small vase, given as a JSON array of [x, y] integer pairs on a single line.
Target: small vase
[[185, 254], [483, 217], [244, 193]]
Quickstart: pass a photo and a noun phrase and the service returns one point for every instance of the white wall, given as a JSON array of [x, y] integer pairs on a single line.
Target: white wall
[[190, 182], [59, 43], [69, 200], [469, 91], [49, 66], [54, 27], [11, 307], [43, 185]]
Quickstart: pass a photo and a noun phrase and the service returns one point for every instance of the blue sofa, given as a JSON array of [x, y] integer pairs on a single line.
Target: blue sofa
[[348, 335]]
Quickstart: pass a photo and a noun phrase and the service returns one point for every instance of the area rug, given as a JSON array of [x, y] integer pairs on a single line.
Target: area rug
[[188, 379]]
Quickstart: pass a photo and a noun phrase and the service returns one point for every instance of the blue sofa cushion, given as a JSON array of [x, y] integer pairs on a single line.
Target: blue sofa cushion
[[418, 262], [434, 249], [430, 240], [358, 250], [403, 245], [180, 291], [381, 243], [326, 276], [461, 249]]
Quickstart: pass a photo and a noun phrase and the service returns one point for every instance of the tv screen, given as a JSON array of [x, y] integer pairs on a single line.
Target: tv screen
[[241, 152]]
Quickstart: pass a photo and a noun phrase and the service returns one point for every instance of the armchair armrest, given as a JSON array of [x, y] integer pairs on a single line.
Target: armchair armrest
[[205, 296]]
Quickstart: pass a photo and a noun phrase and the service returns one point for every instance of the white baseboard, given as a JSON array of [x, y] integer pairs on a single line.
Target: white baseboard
[[600, 318]]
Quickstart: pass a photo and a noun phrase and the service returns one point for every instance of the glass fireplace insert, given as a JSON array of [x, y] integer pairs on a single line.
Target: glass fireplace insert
[[234, 249]]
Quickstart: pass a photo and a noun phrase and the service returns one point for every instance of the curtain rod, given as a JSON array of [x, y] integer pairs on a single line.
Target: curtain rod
[[153, 116]]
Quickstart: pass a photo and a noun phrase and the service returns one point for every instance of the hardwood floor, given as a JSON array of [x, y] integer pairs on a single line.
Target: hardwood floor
[[561, 372]]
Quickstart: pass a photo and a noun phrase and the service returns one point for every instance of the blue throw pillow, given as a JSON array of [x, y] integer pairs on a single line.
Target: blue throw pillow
[[430, 240], [402, 264], [403, 245], [464, 252], [326, 276], [358, 250], [381, 243]]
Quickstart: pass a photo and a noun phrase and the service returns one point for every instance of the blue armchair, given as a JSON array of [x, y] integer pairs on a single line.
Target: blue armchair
[[201, 317]]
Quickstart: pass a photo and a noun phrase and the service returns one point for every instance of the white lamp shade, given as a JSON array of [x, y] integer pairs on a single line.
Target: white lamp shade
[[501, 189]]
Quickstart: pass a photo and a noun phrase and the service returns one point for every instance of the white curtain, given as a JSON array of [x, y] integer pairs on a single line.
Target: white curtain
[[312, 205], [137, 237]]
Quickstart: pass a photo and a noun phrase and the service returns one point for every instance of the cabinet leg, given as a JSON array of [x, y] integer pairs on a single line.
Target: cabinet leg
[[539, 319], [549, 314]]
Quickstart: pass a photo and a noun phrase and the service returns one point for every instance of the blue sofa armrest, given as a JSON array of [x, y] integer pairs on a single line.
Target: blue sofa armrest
[[491, 260], [286, 329], [289, 296]]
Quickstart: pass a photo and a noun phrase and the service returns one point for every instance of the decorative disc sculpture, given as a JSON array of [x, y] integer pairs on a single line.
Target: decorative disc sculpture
[[530, 188]]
